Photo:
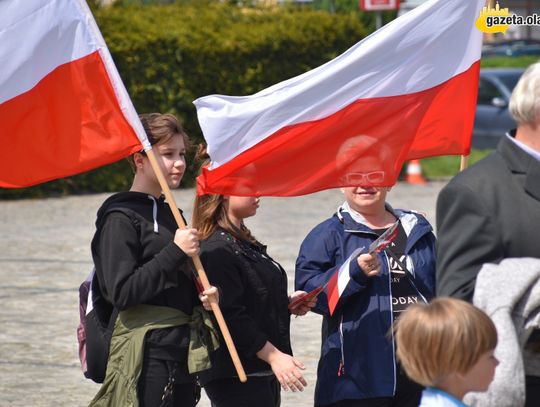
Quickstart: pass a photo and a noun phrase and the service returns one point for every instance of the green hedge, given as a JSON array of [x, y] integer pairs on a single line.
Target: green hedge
[[168, 55], [508, 62]]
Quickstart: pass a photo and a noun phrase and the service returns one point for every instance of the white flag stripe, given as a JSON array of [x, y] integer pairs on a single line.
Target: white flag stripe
[[413, 53], [126, 105], [61, 31], [55, 63], [44, 41], [343, 274]]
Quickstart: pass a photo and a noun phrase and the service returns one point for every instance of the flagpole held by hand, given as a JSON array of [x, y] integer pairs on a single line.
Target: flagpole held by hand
[[199, 267]]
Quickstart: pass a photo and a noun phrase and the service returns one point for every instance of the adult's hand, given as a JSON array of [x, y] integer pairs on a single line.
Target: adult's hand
[[370, 264]]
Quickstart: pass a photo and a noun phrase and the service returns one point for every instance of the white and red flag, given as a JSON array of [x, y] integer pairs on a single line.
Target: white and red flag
[[408, 91], [340, 278], [63, 106], [339, 281]]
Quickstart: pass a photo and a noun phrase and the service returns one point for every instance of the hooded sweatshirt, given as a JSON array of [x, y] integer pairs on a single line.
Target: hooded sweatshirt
[[137, 262]]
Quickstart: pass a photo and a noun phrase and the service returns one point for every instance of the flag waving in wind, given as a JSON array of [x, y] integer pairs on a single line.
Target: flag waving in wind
[[407, 91], [63, 107]]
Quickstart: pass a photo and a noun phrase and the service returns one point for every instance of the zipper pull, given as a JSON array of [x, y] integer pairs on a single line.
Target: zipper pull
[[341, 369]]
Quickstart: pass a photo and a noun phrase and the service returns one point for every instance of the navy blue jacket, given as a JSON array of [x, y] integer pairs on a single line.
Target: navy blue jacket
[[358, 335]]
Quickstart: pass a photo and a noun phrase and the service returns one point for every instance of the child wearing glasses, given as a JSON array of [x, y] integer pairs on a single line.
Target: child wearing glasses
[[357, 365]]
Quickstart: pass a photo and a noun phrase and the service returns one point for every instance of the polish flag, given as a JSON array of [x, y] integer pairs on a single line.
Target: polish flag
[[63, 106], [408, 91], [339, 280]]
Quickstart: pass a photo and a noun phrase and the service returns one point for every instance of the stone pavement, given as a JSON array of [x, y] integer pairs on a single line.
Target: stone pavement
[[45, 254]]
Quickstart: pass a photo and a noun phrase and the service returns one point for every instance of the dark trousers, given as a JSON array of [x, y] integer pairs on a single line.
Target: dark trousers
[[532, 384], [155, 376], [256, 392], [408, 394]]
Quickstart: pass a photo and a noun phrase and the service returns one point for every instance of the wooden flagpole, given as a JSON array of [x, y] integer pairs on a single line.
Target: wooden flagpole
[[199, 267], [464, 162]]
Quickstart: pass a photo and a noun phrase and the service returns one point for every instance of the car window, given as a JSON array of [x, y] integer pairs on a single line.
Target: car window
[[486, 92], [510, 81]]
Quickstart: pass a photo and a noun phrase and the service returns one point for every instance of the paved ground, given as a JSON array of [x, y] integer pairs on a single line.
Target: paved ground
[[45, 255]]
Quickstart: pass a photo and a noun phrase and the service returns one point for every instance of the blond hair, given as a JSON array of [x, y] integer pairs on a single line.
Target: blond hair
[[443, 337], [525, 100]]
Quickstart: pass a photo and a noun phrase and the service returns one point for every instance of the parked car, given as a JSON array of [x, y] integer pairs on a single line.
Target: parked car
[[511, 48], [492, 118]]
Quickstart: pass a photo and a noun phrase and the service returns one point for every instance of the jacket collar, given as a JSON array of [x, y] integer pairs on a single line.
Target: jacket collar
[[519, 162], [353, 222]]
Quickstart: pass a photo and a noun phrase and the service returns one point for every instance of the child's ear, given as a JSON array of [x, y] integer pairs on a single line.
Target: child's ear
[[138, 160]]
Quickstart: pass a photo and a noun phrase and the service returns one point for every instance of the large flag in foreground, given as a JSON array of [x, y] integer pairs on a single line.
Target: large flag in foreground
[[407, 91], [63, 107]]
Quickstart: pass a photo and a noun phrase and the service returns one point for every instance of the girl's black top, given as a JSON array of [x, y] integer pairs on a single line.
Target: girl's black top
[[253, 299]]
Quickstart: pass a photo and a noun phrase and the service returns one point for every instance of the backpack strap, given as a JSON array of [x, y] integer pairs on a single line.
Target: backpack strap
[[97, 317], [96, 290]]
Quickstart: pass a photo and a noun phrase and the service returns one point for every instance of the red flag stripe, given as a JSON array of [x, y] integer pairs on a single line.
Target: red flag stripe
[[332, 292], [312, 156], [69, 122]]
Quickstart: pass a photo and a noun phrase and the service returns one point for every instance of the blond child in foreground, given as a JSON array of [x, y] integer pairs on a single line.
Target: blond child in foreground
[[447, 346]]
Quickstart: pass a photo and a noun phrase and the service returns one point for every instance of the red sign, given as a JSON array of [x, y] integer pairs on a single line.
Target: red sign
[[379, 5]]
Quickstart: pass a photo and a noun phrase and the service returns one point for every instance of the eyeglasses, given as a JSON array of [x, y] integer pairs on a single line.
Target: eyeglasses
[[359, 178]]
